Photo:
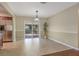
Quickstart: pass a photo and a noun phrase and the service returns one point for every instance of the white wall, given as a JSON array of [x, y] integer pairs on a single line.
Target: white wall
[[63, 26]]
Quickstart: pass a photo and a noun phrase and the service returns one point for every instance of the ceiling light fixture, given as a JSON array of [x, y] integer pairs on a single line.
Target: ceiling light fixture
[[36, 18], [43, 2]]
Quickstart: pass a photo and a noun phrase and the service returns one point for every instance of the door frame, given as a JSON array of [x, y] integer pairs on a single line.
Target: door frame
[[32, 28]]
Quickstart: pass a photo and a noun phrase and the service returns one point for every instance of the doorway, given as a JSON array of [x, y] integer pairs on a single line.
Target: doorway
[[31, 31]]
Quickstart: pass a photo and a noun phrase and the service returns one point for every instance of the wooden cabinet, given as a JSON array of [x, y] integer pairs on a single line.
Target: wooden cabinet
[[7, 36], [7, 23], [1, 42], [1, 39]]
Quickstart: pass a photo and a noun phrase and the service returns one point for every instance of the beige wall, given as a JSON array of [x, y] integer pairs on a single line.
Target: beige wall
[[63, 26], [20, 20]]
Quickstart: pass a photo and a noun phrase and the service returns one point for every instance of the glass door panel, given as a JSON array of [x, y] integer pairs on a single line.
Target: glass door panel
[[28, 30], [35, 31], [31, 31]]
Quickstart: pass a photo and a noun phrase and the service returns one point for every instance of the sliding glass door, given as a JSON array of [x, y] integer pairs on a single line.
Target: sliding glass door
[[31, 31]]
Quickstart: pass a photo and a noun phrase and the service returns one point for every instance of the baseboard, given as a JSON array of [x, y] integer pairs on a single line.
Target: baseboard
[[64, 44]]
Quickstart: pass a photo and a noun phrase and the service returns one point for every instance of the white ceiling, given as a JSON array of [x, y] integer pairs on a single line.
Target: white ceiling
[[45, 10]]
